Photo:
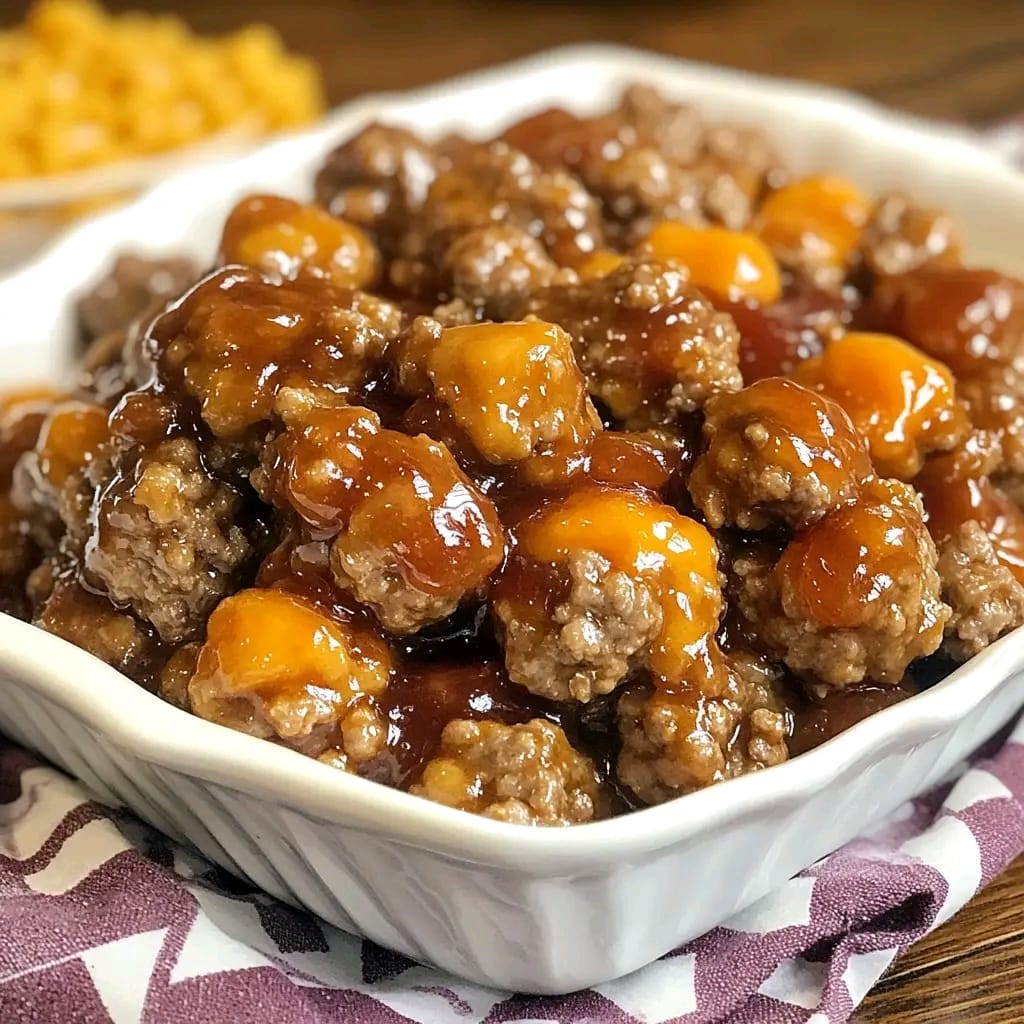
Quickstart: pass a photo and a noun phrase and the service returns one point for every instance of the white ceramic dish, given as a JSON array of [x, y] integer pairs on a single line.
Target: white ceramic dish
[[33, 211], [539, 910]]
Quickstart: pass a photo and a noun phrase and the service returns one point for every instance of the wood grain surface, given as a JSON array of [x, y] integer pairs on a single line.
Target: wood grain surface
[[942, 58]]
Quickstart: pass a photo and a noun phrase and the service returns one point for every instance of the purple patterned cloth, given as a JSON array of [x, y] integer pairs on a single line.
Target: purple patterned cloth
[[104, 920]]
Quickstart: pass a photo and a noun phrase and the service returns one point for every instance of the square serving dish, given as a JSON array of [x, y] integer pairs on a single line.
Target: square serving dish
[[528, 909]]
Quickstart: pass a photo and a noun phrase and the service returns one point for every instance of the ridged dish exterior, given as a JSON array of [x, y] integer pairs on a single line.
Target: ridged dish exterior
[[533, 910]]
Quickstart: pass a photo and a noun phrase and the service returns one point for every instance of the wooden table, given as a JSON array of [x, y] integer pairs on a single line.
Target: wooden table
[[941, 58]]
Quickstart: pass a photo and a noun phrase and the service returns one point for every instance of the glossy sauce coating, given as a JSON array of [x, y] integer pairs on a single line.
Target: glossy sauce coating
[[287, 239], [236, 338], [341, 472], [853, 558], [732, 264], [816, 221], [652, 346], [904, 402], [956, 488], [958, 315], [651, 542], [516, 392], [776, 452], [273, 664]]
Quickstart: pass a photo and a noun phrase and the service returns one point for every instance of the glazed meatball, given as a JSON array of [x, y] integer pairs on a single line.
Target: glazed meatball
[[378, 180], [166, 540], [856, 596], [276, 666], [493, 268], [814, 226], [525, 774], [960, 316], [90, 621], [134, 286], [652, 346], [237, 338], [677, 741], [412, 534], [903, 402], [599, 584], [994, 394], [515, 391], [957, 488], [900, 237], [776, 453], [22, 414], [285, 240], [51, 482], [986, 599], [643, 185], [491, 183]]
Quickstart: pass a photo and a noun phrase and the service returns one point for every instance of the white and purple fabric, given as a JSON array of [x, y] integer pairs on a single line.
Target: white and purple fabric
[[103, 920]]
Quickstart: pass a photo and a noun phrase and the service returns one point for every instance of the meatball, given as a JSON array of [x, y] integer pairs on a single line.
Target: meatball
[[677, 741], [856, 596], [986, 599], [957, 488], [237, 338], [276, 666], [814, 227], [525, 774], [166, 540], [601, 583], [994, 394], [652, 346], [649, 461], [491, 183], [776, 453], [378, 180], [515, 391], [642, 184], [412, 535], [22, 414], [285, 240], [900, 237], [51, 482], [904, 402], [132, 287], [90, 621], [958, 315], [493, 268]]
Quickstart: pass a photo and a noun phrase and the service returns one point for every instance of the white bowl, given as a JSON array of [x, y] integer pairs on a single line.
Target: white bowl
[[33, 211], [534, 910]]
